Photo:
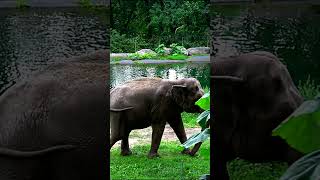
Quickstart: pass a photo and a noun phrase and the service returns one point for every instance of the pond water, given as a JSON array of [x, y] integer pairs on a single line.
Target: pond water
[[121, 73], [33, 38], [292, 32]]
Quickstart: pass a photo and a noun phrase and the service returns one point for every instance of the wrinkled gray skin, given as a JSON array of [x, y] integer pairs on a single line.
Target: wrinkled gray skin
[[252, 94], [143, 102], [52, 126]]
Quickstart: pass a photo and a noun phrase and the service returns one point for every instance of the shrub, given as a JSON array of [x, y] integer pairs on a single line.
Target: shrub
[[176, 49], [160, 50]]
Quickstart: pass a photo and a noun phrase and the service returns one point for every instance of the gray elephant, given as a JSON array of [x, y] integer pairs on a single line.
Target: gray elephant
[[53, 125], [143, 102], [251, 95]]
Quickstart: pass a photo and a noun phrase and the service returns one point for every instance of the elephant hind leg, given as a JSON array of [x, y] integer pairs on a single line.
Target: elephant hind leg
[[115, 128]]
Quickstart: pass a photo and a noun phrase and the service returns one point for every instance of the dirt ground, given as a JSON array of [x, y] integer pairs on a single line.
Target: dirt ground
[[143, 136]]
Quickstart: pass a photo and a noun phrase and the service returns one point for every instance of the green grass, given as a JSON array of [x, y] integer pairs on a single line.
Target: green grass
[[176, 57], [171, 164], [243, 170], [190, 119]]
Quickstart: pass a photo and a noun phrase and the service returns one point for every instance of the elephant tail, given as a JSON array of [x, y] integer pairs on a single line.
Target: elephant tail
[[28, 154], [121, 109]]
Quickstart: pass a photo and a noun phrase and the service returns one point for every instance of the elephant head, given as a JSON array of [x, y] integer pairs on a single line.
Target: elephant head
[[252, 94], [185, 92]]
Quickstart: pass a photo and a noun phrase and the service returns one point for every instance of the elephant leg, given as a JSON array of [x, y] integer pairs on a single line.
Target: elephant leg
[[115, 127], [157, 132], [195, 148], [125, 150], [113, 140], [219, 159], [178, 128]]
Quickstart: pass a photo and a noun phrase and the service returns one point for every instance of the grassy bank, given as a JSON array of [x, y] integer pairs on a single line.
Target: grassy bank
[[157, 57]]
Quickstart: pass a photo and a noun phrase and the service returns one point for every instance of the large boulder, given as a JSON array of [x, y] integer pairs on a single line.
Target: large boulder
[[198, 50], [167, 51], [145, 51]]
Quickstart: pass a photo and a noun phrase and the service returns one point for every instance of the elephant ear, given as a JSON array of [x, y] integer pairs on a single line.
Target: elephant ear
[[178, 92]]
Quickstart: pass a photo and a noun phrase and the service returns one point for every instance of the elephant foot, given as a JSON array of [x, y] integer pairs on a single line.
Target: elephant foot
[[153, 155], [126, 152]]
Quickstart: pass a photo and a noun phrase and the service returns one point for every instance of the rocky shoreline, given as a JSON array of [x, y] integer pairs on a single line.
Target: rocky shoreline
[[196, 55]]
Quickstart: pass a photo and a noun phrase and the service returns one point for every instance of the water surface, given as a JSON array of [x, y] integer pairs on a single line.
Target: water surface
[[31, 39], [292, 32], [122, 73]]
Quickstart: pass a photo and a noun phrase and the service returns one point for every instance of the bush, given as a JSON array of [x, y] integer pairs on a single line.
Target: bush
[[160, 50], [176, 49], [123, 43]]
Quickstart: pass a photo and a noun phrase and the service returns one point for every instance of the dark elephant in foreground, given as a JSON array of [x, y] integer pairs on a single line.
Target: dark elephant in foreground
[[143, 102], [53, 125], [251, 95]]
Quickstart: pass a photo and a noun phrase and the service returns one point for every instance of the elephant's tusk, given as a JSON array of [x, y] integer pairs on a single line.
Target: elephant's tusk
[[122, 109], [231, 78], [28, 154]]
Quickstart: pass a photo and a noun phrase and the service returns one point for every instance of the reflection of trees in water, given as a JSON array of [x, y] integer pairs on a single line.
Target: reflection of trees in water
[[294, 39], [8, 66], [122, 73], [30, 39]]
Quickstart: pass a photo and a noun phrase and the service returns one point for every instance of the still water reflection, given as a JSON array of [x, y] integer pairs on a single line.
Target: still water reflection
[[291, 32], [32, 38], [122, 73]]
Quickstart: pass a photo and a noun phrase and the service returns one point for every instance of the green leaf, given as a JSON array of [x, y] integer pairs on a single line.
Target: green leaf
[[307, 167], [204, 101], [302, 128], [199, 137], [203, 118]]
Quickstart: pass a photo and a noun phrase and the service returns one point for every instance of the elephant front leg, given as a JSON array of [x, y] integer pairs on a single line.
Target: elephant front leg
[[157, 132], [125, 150], [178, 128], [220, 158]]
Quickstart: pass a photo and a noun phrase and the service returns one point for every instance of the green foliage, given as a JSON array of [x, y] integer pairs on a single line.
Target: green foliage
[[171, 165], [176, 49], [204, 101], [160, 21], [137, 56], [21, 4], [302, 128], [85, 3], [126, 43], [160, 50], [240, 169], [309, 89], [202, 120], [307, 167], [181, 21]]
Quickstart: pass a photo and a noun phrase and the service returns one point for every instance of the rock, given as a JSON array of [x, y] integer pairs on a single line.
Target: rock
[[184, 51], [198, 50], [145, 51], [167, 51], [120, 55]]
